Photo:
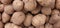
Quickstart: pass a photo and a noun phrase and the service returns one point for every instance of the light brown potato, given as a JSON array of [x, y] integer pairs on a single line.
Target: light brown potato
[[8, 9], [46, 10], [55, 11], [28, 20], [6, 1], [2, 7], [48, 25], [11, 25], [5, 17], [18, 18], [30, 27], [47, 19], [29, 6], [1, 24], [54, 18], [18, 5], [37, 10], [42, 26], [38, 20], [47, 3], [0, 16]]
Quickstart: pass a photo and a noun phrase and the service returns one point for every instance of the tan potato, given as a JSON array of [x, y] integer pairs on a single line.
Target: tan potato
[[5, 17], [2, 7], [0, 16], [29, 6], [6, 1], [18, 5], [46, 10], [48, 25], [42, 26], [38, 20], [37, 10], [18, 18], [30, 27], [11, 25], [54, 18], [55, 11], [1, 24], [47, 3], [28, 20], [47, 19], [8, 9]]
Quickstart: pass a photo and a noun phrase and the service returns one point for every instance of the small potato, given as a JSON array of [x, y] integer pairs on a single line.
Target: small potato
[[29, 6], [1, 24], [37, 10], [54, 18], [5, 17], [11, 25], [42, 26], [30, 27], [48, 25], [55, 11], [6, 1], [2, 7], [46, 10], [38, 20], [47, 3], [18, 18], [8, 9], [28, 20], [18, 5], [0, 16]]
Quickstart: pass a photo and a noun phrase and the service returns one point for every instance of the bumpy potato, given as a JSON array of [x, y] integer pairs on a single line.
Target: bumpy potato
[[47, 3], [6, 1], [28, 20], [29, 6], [11, 25], [5, 17], [18, 18], [1, 24], [17, 5], [48, 25], [46, 10], [38, 20], [8, 9]]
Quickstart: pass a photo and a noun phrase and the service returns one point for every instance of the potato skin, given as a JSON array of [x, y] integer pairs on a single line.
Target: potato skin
[[0, 16], [1, 24], [9, 9], [17, 5], [6, 1], [42, 26], [38, 20], [28, 20], [5, 17], [18, 18], [30, 27]]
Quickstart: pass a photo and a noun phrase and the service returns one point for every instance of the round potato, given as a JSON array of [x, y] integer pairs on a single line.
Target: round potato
[[1, 24], [18, 18]]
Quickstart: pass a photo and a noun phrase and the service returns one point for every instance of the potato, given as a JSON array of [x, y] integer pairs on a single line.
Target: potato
[[38, 20], [47, 3], [47, 19], [5, 17], [18, 18], [11, 25], [28, 20], [6, 1], [2, 7], [29, 6], [55, 11], [30, 27], [1, 24], [48, 25], [54, 18], [46, 10], [37, 10], [0, 16], [42, 26], [8, 9], [18, 5]]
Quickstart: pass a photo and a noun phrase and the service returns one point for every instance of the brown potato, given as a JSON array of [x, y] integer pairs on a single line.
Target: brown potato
[[47, 3], [0, 16], [38, 20], [11, 25], [1, 24], [5, 17], [18, 18], [18, 5], [28, 20], [46, 10], [42, 26], [30, 27], [6, 1], [8, 9], [48, 25]]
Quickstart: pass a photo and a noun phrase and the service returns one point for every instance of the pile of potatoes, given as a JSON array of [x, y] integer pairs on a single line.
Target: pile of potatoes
[[29, 13]]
